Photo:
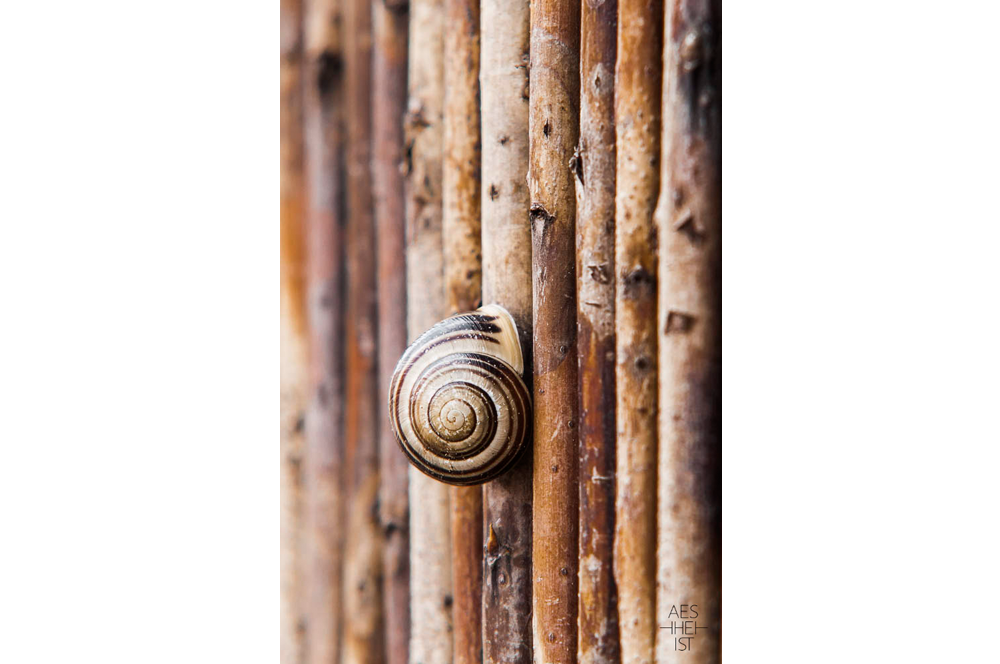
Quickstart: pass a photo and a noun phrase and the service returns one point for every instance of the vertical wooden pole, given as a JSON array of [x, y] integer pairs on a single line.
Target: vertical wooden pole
[[689, 219], [462, 279], [391, 24], [364, 641], [637, 110], [594, 169], [553, 129], [323, 463], [430, 520], [293, 334], [506, 281]]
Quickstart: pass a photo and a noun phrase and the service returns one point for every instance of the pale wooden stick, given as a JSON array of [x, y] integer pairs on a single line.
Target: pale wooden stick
[[364, 641], [553, 129], [637, 111], [594, 167], [689, 220], [293, 343], [463, 272], [391, 21], [507, 281], [323, 463], [430, 527]]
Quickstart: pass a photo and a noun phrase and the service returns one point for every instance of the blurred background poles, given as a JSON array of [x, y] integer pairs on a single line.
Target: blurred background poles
[[294, 345], [689, 221], [323, 463], [391, 25], [364, 636]]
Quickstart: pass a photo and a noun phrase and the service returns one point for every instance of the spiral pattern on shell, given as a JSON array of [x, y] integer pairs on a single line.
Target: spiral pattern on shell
[[457, 401]]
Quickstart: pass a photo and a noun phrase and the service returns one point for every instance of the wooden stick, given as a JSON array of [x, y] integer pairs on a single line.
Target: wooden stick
[[594, 166], [689, 219], [430, 523], [553, 129], [507, 281], [323, 463], [637, 111], [363, 641], [293, 342], [463, 277], [391, 21]]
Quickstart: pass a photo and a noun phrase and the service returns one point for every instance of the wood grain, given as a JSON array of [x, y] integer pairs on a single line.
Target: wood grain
[[506, 235], [553, 130], [637, 110], [463, 288], [594, 170], [689, 219]]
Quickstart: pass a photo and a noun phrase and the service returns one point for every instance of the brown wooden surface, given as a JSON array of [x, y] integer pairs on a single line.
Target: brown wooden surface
[[430, 518], [463, 276], [689, 219], [391, 21], [553, 129], [293, 344], [594, 169], [364, 638], [637, 108], [507, 281], [467, 572], [323, 462]]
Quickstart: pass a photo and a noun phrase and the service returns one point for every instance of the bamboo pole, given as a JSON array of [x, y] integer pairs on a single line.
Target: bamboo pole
[[594, 167], [363, 641], [323, 463], [553, 129], [506, 281], [430, 522], [637, 111], [461, 229], [391, 21], [689, 219], [293, 343]]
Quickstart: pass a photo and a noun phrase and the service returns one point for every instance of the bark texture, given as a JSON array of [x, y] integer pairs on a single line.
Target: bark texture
[[637, 111], [391, 24], [553, 129], [463, 279], [323, 463], [430, 519], [364, 641], [293, 344], [689, 218], [506, 235], [594, 169]]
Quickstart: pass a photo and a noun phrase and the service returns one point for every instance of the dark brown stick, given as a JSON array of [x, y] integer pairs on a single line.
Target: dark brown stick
[[507, 281], [293, 334], [323, 463], [430, 518], [689, 219], [463, 272], [391, 27], [553, 131], [364, 640], [594, 167], [637, 110]]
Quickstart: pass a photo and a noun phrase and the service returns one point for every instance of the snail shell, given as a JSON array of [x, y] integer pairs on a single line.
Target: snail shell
[[457, 402]]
